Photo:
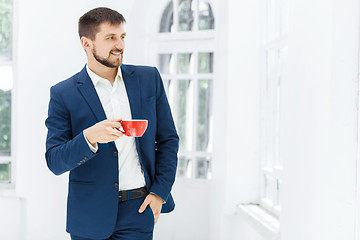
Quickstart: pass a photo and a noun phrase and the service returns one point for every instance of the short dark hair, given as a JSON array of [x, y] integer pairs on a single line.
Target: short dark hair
[[89, 23]]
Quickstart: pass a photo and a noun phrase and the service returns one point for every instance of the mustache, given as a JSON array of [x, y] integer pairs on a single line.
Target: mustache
[[117, 50]]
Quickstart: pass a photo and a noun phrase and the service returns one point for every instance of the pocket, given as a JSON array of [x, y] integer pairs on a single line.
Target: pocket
[[151, 214], [145, 220]]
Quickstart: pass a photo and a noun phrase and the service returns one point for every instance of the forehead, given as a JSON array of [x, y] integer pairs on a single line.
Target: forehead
[[107, 28]]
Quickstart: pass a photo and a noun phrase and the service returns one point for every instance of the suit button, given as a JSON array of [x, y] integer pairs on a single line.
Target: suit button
[[85, 158], [115, 154], [116, 185]]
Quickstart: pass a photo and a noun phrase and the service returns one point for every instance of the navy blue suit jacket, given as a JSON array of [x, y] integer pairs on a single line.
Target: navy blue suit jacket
[[93, 180]]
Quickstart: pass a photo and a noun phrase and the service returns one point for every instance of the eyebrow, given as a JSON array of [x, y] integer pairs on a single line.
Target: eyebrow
[[112, 34]]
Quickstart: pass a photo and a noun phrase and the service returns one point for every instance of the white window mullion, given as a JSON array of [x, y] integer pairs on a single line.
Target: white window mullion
[[175, 91], [190, 75], [176, 15], [190, 125], [5, 62], [195, 112], [196, 16], [277, 161], [5, 159]]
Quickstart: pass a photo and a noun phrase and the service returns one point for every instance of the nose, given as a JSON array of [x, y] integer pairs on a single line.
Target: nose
[[120, 44]]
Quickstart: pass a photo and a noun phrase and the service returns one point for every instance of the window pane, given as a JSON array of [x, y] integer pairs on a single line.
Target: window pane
[[205, 62], [270, 109], [185, 96], [185, 63], [268, 187], [168, 85], [203, 168], [184, 167], [206, 17], [278, 190], [167, 19], [276, 60], [182, 113], [186, 15], [272, 63], [5, 109], [204, 115], [4, 172], [6, 29], [282, 60], [166, 63]]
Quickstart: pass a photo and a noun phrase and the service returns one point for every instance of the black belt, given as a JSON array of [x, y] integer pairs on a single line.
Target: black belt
[[132, 194]]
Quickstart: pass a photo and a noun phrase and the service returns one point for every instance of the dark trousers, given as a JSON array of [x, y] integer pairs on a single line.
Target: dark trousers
[[130, 224]]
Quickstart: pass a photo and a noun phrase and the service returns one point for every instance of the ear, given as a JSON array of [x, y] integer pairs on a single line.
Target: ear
[[86, 43]]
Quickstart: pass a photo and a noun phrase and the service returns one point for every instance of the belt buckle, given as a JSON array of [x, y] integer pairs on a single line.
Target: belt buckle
[[132, 194]]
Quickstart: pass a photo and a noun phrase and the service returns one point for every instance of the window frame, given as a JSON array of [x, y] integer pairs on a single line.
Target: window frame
[[275, 41], [194, 41], [10, 185]]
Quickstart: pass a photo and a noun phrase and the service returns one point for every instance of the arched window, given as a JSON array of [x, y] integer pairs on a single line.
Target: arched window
[[186, 62], [187, 12]]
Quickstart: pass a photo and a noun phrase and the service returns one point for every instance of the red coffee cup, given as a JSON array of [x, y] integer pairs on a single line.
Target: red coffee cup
[[134, 128]]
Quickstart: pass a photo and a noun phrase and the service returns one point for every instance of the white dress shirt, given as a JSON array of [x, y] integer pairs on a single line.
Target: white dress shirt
[[115, 103]]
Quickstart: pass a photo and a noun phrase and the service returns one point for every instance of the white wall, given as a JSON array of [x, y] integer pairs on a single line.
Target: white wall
[[320, 121], [12, 211], [237, 113]]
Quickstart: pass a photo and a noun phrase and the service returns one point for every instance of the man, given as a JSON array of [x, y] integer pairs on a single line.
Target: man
[[118, 185]]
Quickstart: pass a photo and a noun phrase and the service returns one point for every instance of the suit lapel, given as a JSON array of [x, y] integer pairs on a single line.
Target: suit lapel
[[132, 86], [87, 90]]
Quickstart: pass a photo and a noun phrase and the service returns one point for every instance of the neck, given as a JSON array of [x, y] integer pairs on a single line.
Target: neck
[[103, 71]]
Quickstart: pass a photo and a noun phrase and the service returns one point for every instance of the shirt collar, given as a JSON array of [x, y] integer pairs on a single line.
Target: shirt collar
[[96, 78]]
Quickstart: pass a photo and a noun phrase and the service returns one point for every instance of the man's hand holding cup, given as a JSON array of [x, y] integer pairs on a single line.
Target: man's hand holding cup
[[104, 131]]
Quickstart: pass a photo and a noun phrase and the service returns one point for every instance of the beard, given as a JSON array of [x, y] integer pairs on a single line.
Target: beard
[[106, 61]]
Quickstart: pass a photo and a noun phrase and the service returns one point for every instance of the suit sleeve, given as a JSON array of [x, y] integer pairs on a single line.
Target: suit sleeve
[[63, 151], [167, 143]]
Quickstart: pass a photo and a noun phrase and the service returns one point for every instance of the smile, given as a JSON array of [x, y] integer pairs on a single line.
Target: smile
[[116, 53]]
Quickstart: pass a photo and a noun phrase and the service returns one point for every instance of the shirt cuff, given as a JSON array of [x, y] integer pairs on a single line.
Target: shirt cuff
[[92, 148]]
